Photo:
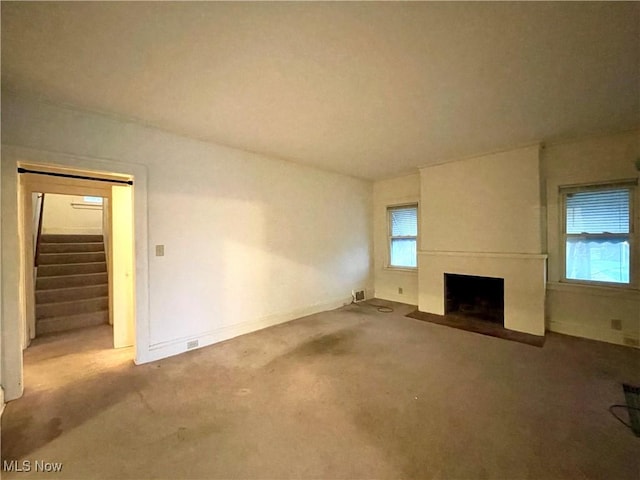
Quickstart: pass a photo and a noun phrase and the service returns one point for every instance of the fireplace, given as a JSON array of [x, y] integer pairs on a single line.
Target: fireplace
[[474, 296]]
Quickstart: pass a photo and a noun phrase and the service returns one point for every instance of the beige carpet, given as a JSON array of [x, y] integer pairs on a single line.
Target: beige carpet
[[352, 393]]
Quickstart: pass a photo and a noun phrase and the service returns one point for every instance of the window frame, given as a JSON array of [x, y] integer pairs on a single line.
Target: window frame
[[391, 237], [631, 185]]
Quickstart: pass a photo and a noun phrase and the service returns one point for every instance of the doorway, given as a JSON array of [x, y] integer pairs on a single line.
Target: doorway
[[115, 261], [14, 316]]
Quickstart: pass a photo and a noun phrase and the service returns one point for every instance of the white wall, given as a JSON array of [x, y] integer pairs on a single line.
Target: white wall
[[489, 203], [386, 193], [250, 241], [65, 214], [482, 216], [587, 311], [1, 330]]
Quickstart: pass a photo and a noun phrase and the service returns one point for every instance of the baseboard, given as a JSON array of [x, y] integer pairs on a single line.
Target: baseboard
[[408, 299], [609, 336], [170, 348]]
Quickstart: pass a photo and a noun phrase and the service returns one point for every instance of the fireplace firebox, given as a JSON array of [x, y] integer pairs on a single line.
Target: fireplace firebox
[[474, 296]]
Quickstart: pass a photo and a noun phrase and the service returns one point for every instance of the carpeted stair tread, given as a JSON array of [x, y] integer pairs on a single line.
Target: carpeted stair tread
[[82, 292], [71, 322], [71, 307], [78, 247], [71, 269], [70, 257], [62, 281], [70, 238]]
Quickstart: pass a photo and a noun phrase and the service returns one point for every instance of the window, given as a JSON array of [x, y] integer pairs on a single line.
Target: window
[[403, 236], [598, 233]]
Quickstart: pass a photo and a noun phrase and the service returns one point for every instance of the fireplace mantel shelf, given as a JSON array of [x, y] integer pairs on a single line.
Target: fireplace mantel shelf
[[523, 256]]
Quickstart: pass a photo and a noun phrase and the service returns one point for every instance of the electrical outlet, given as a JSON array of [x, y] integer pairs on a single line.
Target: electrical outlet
[[159, 250], [400, 290], [616, 324], [192, 344]]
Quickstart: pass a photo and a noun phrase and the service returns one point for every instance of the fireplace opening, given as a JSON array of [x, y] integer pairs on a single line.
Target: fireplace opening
[[473, 296]]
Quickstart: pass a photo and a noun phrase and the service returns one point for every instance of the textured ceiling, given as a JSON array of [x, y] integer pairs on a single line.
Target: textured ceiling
[[367, 89]]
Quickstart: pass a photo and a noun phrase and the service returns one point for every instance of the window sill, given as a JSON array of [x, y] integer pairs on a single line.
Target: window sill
[[626, 292], [412, 270]]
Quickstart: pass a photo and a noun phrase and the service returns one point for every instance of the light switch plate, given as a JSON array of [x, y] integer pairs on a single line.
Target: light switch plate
[[159, 250]]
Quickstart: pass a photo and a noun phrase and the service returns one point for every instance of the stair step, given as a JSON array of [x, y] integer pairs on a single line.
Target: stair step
[[65, 258], [71, 247], [63, 281], [83, 292], [71, 269], [71, 322], [90, 305], [69, 238]]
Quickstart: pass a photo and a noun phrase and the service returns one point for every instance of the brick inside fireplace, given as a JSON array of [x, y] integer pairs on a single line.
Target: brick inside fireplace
[[474, 296]]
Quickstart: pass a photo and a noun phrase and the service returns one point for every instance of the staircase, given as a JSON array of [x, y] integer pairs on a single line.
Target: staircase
[[72, 289]]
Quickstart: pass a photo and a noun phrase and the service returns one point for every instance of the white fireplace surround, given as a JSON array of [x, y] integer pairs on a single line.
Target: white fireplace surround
[[524, 277]]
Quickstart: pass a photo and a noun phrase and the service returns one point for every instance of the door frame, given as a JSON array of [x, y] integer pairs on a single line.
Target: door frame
[[32, 183], [14, 314]]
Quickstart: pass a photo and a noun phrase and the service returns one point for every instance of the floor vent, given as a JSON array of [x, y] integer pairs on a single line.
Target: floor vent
[[192, 344], [358, 295]]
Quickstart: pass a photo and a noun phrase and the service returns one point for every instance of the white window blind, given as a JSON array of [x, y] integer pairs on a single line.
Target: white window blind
[[403, 235], [603, 211], [404, 221], [598, 234]]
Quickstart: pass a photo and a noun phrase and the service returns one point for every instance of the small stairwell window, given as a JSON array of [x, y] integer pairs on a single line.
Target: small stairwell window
[[403, 236], [598, 234]]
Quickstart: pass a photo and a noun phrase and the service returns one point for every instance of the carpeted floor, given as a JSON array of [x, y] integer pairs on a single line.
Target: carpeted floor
[[351, 393]]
